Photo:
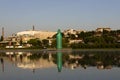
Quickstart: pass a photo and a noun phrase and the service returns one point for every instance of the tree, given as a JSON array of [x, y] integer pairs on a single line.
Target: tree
[[65, 42], [45, 42], [81, 35], [72, 36], [35, 42], [54, 43], [109, 39], [86, 34]]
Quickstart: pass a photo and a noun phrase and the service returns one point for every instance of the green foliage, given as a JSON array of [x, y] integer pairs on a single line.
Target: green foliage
[[96, 40], [36, 43], [107, 39], [45, 42], [85, 34], [53, 43], [71, 36], [65, 42]]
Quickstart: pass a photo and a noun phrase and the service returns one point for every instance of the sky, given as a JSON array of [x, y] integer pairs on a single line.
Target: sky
[[51, 15]]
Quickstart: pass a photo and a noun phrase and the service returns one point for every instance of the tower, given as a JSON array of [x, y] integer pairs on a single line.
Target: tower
[[2, 37], [33, 28]]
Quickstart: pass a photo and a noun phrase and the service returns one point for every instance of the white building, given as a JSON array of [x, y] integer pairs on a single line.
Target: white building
[[31, 34], [72, 31], [102, 29]]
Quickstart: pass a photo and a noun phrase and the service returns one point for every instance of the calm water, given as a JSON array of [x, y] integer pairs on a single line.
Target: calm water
[[49, 65]]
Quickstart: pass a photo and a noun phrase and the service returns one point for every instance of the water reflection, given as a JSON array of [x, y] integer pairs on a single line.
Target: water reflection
[[34, 61], [73, 60], [2, 64], [59, 61]]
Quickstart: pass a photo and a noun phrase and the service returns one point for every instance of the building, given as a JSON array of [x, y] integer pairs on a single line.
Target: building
[[32, 34], [99, 31], [16, 40], [102, 29], [72, 31]]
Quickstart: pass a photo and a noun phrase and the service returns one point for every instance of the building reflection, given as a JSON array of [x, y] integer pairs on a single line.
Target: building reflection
[[2, 64], [35, 61], [40, 60]]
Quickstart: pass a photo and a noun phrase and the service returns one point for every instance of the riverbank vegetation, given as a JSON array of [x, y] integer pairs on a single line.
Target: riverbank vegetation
[[92, 39]]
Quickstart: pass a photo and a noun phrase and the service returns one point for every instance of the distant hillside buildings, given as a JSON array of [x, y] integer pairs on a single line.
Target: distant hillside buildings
[[25, 36]]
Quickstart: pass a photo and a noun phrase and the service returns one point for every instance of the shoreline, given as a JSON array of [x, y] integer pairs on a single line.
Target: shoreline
[[55, 50]]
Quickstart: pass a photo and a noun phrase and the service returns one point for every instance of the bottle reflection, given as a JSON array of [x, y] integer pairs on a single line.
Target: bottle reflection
[[59, 61], [2, 63]]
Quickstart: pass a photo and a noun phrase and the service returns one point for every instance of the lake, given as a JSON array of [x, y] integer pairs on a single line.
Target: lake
[[60, 65]]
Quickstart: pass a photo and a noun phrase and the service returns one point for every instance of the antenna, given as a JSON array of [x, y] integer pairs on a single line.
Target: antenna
[[33, 28], [3, 33]]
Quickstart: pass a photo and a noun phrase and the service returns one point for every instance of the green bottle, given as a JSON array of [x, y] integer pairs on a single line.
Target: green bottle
[[59, 39]]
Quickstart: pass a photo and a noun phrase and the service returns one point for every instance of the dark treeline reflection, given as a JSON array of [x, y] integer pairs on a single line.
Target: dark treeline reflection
[[72, 60]]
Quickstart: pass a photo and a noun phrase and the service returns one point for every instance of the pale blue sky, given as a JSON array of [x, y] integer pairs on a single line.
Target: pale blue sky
[[19, 15]]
